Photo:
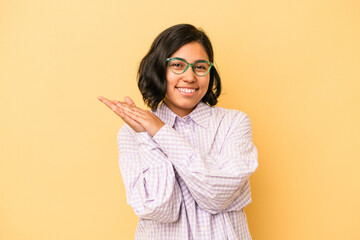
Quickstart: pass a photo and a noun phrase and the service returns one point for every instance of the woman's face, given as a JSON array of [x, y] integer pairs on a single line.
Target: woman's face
[[185, 91]]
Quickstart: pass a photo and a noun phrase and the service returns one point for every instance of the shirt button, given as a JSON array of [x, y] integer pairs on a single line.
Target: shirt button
[[203, 229]]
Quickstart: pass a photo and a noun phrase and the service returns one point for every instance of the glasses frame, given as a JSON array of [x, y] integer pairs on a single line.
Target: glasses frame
[[191, 65]]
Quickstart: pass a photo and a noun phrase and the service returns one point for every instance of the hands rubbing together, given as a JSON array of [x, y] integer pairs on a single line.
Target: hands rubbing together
[[138, 119]]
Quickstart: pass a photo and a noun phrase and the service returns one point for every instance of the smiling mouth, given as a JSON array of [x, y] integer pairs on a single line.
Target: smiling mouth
[[187, 90]]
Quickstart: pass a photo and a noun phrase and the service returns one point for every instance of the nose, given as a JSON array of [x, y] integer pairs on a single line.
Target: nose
[[189, 75]]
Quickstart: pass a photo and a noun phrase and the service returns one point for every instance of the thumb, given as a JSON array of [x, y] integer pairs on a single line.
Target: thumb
[[129, 101]]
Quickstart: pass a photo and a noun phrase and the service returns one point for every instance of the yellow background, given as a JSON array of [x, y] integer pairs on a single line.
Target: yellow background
[[292, 66]]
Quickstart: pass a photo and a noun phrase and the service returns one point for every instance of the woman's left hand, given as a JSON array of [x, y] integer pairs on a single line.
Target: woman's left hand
[[135, 116]]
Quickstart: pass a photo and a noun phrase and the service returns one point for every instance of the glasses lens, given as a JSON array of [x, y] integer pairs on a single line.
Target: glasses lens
[[201, 68], [177, 66]]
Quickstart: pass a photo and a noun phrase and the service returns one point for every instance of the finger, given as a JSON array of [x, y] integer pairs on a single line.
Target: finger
[[122, 105], [130, 108], [128, 118], [129, 101], [135, 125], [117, 103], [113, 105], [118, 108], [134, 116], [130, 111], [102, 99], [107, 102], [135, 108], [133, 113]]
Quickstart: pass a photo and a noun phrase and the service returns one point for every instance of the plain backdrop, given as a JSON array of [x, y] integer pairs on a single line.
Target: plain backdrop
[[291, 65]]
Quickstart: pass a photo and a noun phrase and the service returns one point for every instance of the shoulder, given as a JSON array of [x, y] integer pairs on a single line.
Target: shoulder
[[232, 116], [232, 123]]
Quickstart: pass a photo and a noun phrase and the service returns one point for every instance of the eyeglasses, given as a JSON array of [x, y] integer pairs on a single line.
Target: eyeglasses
[[179, 66]]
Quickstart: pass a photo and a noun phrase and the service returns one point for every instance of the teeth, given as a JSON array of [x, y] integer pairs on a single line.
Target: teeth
[[187, 90]]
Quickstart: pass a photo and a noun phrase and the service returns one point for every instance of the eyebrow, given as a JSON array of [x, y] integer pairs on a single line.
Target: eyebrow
[[194, 61]]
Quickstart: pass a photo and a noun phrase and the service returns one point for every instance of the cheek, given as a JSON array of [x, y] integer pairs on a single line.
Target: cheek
[[167, 73], [205, 84], [171, 80]]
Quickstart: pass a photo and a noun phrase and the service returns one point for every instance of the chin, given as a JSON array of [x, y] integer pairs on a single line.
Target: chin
[[188, 106]]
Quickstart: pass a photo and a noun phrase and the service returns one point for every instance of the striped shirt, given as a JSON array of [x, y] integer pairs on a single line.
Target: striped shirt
[[191, 180]]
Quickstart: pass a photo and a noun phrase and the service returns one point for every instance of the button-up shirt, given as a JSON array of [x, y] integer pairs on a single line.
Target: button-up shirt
[[190, 180]]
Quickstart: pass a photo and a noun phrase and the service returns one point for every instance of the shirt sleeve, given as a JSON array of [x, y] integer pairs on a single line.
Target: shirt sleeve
[[150, 183], [218, 182]]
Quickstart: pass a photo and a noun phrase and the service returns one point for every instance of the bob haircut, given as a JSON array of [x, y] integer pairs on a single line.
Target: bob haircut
[[152, 70]]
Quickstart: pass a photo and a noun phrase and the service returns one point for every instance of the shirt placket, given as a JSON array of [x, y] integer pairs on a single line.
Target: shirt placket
[[189, 131], [186, 128]]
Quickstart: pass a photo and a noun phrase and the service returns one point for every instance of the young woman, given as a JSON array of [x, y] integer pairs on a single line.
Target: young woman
[[185, 164]]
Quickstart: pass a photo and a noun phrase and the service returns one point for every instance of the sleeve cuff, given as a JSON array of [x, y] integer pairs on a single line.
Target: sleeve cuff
[[144, 138]]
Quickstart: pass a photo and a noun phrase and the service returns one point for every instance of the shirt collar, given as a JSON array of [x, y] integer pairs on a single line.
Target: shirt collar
[[165, 114], [199, 115]]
